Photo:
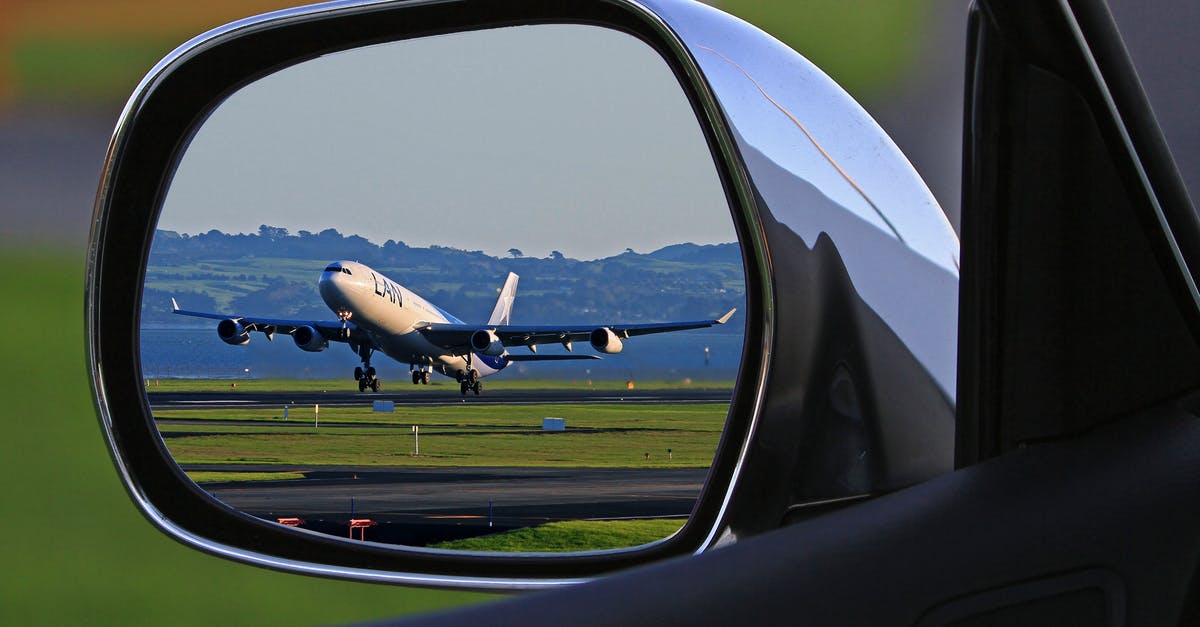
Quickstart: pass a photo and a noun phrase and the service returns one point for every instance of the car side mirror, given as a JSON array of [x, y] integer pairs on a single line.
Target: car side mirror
[[633, 147]]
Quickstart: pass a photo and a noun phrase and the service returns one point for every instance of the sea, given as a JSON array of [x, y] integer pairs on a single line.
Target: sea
[[189, 352]]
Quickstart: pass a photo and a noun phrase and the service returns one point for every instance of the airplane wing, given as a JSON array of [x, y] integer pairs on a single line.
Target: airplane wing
[[457, 337], [331, 330]]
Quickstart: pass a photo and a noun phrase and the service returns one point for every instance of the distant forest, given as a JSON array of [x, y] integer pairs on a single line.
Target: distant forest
[[274, 273]]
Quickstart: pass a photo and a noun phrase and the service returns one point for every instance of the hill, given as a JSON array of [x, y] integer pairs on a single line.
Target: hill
[[274, 273]]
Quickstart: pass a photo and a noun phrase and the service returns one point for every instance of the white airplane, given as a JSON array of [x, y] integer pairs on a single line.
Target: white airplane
[[375, 313]]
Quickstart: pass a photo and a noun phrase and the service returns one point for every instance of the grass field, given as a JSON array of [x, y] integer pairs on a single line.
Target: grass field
[[570, 535], [597, 436], [225, 477]]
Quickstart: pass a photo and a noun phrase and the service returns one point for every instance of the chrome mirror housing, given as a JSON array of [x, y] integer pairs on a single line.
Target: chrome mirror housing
[[847, 382]]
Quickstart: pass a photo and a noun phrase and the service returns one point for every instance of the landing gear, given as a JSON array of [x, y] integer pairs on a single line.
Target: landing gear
[[465, 387], [469, 382], [367, 379], [420, 375], [365, 374]]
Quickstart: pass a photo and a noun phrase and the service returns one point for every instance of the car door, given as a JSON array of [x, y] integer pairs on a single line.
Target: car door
[[1077, 441]]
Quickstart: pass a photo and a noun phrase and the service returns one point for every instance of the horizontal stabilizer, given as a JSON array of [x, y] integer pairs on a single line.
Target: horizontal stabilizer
[[549, 357]]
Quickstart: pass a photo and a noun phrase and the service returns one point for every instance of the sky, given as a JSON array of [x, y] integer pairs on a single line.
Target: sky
[[550, 137]]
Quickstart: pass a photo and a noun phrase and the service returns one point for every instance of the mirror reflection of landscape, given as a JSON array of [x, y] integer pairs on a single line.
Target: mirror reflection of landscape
[[477, 291]]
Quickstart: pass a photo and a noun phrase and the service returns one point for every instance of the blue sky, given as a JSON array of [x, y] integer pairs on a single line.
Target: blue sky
[[551, 137]]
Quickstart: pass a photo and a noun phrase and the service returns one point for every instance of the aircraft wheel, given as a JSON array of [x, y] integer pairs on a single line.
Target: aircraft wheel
[[358, 373], [463, 387], [362, 384], [416, 377], [375, 385], [458, 376], [478, 387], [425, 377], [370, 372]]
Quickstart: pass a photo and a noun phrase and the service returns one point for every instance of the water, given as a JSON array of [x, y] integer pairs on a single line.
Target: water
[[197, 352]]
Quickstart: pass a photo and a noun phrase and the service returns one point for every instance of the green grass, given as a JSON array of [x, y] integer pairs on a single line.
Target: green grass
[[707, 417], [81, 68], [225, 477], [570, 535], [75, 549], [597, 436]]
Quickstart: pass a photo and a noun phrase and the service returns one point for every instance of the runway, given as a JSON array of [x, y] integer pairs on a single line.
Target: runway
[[418, 506], [426, 397]]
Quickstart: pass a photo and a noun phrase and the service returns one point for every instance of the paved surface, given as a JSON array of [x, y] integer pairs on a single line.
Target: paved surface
[[417, 506], [420, 396]]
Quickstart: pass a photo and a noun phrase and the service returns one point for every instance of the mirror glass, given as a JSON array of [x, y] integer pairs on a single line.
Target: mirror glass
[[478, 291]]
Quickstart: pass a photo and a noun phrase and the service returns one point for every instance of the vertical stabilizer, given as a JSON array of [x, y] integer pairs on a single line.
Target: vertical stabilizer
[[504, 304]]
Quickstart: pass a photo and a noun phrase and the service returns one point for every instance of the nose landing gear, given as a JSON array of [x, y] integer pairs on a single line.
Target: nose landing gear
[[365, 374]]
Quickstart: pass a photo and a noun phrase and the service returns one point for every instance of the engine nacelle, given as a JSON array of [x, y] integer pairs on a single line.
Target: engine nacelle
[[487, 342], [232, 332], [309, 339], [605, 341]]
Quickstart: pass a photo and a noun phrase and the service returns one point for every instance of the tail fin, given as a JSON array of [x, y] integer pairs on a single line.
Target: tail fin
[[504, 304]]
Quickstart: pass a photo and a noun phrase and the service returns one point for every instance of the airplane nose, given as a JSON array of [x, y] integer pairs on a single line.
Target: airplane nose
[[333, 288]]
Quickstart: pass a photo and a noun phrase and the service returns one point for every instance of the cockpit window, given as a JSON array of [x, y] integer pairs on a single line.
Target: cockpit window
[[333, 268], [345, 270]]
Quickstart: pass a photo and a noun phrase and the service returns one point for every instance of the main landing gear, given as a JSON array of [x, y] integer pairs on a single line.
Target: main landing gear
[[365, 374], [366, 379], [469, 381]]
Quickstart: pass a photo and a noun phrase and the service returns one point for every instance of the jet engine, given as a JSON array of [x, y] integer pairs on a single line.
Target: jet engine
[[232, 332], [309, 339], [605, 341], [487, 342]]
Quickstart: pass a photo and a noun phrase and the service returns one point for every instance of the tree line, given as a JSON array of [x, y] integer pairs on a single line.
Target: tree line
[[678, 282]]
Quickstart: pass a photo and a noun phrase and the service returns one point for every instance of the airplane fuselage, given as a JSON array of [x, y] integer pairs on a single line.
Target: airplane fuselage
[[390, 314]]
